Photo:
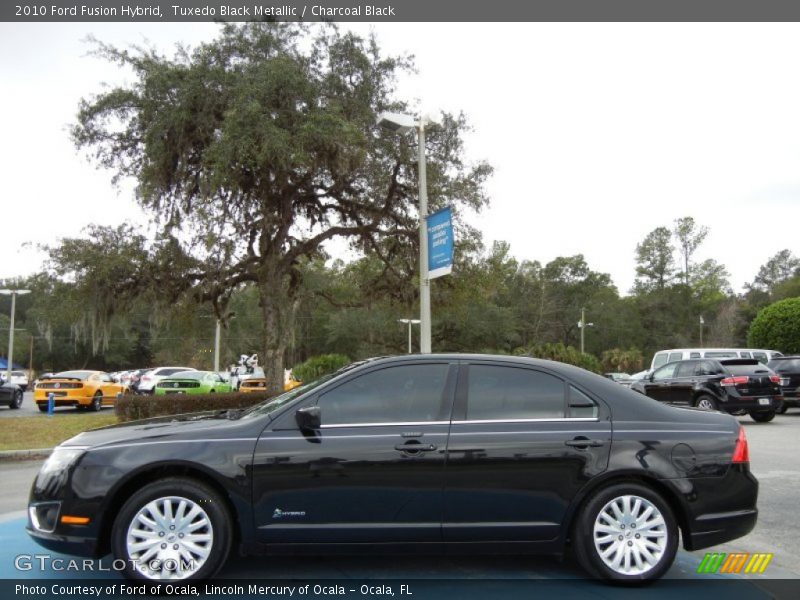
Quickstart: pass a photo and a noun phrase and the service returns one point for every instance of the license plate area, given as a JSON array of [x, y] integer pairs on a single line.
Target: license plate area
[[763, 401]]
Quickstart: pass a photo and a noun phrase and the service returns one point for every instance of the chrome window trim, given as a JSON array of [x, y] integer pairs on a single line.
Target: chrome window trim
[[553, 420], [467, 422], [387, 424]]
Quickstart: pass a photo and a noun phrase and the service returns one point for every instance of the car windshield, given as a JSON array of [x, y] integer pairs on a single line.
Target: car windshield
[[82, 375]]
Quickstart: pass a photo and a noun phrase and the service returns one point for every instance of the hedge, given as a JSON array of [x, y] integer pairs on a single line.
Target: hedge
[[317, 366], [133, 408]]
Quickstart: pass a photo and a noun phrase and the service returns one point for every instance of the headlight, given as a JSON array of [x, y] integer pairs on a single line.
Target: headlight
[[62, 458]]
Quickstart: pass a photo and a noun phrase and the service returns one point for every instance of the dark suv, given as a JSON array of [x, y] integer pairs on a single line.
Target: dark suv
[[788, 369], [735, 385]]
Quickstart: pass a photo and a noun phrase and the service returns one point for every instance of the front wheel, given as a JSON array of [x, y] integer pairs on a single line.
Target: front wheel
[[706, 402], [176, 528], [626, 533], [762, 417], [16, 400]]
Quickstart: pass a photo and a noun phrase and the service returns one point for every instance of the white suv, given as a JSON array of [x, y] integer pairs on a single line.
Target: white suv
[[148, 380], [19, 378]]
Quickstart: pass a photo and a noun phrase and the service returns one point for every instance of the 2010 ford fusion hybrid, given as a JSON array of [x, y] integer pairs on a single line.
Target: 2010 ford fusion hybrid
[[433, 453]]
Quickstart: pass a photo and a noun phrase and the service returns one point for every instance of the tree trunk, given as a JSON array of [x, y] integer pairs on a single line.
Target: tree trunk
[[274, 306]]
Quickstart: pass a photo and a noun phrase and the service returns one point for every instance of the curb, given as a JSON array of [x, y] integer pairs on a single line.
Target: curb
[[37, 453]]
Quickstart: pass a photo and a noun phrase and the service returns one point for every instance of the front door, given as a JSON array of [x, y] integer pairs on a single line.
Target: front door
[[373, 472]]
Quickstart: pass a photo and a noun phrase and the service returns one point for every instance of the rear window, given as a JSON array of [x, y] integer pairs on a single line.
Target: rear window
[[82, 375], [786, 365], [747, 369], [167, 372]]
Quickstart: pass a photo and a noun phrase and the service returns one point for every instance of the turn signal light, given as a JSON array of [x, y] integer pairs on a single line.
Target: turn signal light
[[67, 520], [741, 453]]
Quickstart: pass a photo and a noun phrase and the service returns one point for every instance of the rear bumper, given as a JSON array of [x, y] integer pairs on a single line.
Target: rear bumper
[[751, 403], [724, 509], [713, 529]]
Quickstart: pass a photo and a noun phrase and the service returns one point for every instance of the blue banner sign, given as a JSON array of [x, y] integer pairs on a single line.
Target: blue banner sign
[[440, 243]]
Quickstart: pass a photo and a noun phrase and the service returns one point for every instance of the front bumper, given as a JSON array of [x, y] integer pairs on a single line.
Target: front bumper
[[66, 544]]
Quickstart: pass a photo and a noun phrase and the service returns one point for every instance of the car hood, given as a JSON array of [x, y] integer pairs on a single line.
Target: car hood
[[199, 425]]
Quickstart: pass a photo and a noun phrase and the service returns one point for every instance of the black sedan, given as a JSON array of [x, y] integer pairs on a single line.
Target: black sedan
[[733, 385], [10, 395], [442, 452]]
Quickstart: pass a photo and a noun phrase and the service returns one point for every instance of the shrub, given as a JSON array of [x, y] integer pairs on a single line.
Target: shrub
[[133, 408], [624, 361], [317, 366], [777, 327]]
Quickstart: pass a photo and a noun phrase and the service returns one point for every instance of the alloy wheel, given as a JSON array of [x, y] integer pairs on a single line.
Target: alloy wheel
[[630, 535], [170, 538]]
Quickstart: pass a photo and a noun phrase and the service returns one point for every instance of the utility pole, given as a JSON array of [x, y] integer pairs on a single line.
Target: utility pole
[[702, 322]]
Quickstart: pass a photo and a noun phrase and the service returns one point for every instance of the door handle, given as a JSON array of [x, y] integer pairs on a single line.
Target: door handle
[[415, 447], [584, 443]]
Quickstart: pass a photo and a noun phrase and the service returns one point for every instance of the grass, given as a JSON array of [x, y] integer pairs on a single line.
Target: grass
[[43, 431]]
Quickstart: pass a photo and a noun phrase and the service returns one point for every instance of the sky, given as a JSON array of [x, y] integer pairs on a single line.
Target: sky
[[598, 133]]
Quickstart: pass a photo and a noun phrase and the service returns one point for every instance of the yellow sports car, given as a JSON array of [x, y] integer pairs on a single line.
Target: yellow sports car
[[81, 389], [259, 384]]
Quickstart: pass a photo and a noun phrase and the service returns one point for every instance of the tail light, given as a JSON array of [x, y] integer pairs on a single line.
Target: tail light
[[146, 378], [775, 379], [741, 453], [740, 380]]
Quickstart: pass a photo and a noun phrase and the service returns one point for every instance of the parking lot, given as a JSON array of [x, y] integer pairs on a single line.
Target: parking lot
[[771, 452]]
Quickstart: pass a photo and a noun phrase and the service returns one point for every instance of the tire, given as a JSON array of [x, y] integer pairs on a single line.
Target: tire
[[211, 526], [762, 417], [597, 531], [16, 400], [783, 409], [97, 402], [705, 402]]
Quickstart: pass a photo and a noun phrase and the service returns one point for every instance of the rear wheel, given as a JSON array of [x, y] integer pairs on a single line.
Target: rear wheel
[[97, 401], [176, 528], [705, 402], [762, 417], [783, 409], [626, 533]]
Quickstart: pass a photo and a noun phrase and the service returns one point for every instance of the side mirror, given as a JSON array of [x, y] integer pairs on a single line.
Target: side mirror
[[309, 418]]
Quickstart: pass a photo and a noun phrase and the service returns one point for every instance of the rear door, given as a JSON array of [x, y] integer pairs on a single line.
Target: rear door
[[523, 442]]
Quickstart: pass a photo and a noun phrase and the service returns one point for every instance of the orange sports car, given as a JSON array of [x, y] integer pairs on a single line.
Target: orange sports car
[[259, 384], [81, 389]]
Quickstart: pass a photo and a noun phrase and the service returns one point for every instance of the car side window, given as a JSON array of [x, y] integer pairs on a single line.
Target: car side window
[[705, 368], [506, 393], [675, 356], [401, 394], [659, 359], [761, 357], [694, 355], [580, 405], [665, 372], [685, 369]]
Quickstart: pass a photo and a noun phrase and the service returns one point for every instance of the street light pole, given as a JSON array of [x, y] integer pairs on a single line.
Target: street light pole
[[424, 282], [217, 335], [582, 325], [410, 323], [401, 123], [702, 322], [13, 294]]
